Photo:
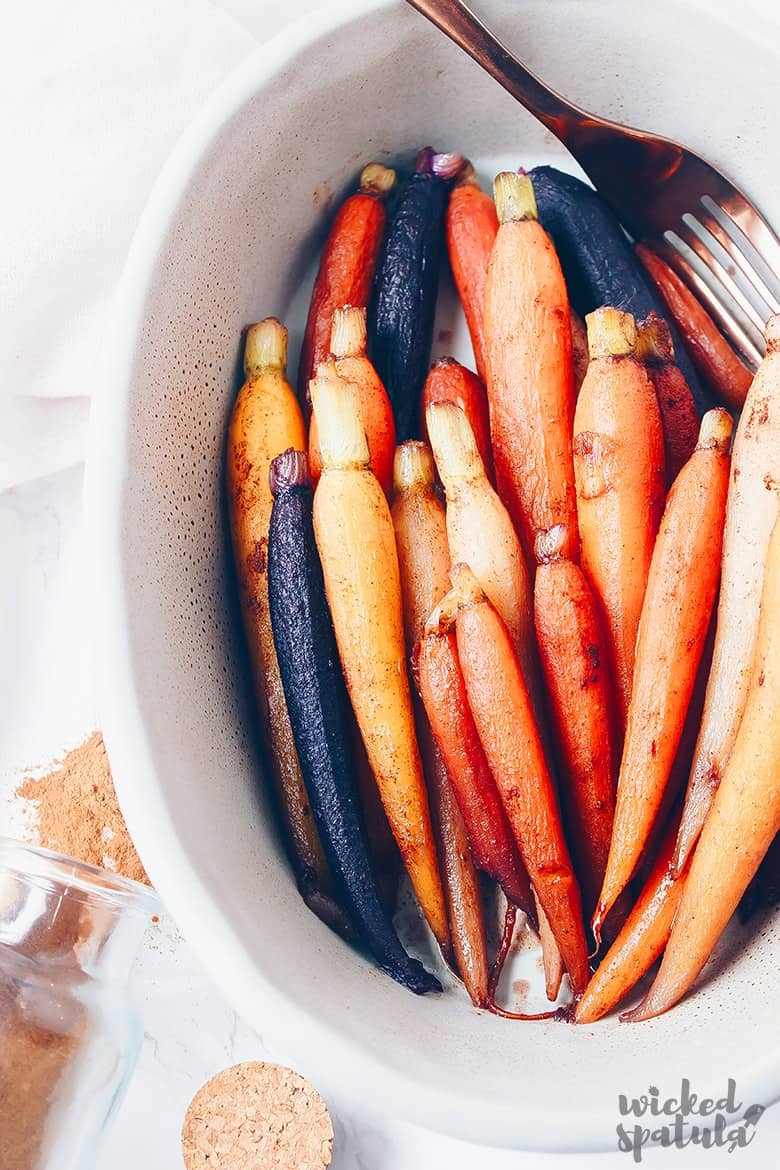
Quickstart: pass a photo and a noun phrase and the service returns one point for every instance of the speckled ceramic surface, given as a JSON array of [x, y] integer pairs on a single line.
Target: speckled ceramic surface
[[229, 237]]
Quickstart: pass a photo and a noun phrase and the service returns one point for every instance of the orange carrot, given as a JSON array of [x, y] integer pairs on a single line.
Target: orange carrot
[[449, 381], [443, 691], [552, 960], [266, 420], [356, 543], [347, 265], [619, 469], [348, 347], [679, 600], [751, 511], [530, 377], [472, 224], [575, 658], [424, 561], [641, 940], [480, 530], [580, 358], [724, 372], [504, 718], [679, 417], [742, 823]]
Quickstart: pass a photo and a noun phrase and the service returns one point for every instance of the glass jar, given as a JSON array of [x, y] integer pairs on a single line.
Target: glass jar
[[69, 1034]]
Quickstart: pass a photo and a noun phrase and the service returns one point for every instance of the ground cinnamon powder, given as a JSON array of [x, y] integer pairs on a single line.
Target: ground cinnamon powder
[[78, 813]]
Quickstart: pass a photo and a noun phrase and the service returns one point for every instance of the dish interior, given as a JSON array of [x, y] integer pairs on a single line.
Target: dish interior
[[250, 215]]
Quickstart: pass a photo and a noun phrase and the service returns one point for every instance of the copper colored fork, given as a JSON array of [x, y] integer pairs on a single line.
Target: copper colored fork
[[713, 236]]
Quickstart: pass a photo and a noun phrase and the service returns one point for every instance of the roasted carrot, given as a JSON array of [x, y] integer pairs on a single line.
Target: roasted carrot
[[443, 691], [354, 533], [348, 347], [381, 842], [472, 224], [449, 381], [681, 589], [743, 820], [726, 375], [580, 358], [266, 420], [552, 960], [641, 940], [504, 718], [424, 562], [318, 706], [347, 265], [619, 469], [751, 510], [400, 328], [481, 532], [575, 666], [530, 378], [679, 417]]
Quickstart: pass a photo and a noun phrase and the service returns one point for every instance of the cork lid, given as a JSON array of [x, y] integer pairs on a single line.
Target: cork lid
[[257, 1116]]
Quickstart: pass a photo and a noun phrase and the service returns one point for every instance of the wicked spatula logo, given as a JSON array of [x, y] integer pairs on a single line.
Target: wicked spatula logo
[[686, 1120]]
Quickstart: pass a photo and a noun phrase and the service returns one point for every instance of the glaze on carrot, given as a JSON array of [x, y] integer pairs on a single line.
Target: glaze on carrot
[[449, 381], [641, 939], [751, 511], [472, 225], [424, 561], [619, 470], [740, 826], [347, 266], [575, 666], [718, 365], [443, 691], [504, 718], [679, 416], [356, 543], [348, 348], [530, 377], [266, 420], [681, 589]]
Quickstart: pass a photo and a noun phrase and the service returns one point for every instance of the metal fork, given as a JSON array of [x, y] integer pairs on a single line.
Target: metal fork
[[706, 229]]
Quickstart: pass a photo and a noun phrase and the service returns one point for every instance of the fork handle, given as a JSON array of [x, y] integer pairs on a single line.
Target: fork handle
[[464, 27]]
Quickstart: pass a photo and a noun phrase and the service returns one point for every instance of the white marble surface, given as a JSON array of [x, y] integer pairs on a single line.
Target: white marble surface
[[97, 95]]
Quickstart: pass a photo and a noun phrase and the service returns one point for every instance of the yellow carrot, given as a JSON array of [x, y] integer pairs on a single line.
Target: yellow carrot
[[354, 533], [266, 420]]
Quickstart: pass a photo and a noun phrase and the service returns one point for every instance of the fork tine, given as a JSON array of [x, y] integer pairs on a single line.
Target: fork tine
[[714, 266], [754, 228], [735, 333], [736, 254]]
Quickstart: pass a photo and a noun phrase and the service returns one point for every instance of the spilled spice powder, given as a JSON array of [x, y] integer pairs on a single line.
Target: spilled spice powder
[[257, 1116], [78, 812]]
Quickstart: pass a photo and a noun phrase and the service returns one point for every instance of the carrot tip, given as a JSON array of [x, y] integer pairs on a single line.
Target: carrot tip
[[348, 332], [413, 466], [288, 470], [336, 405], [549, 545], [465, 586], [265, 347], [447, 166], [654, 345], [515, 198], [377, 180], [715, 431], [611, 333]]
